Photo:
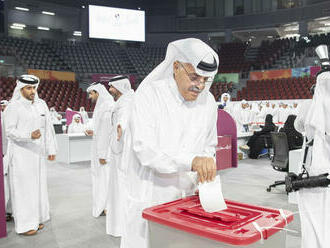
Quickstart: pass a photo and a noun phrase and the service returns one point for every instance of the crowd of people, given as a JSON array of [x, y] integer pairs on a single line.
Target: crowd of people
[[246, 113]]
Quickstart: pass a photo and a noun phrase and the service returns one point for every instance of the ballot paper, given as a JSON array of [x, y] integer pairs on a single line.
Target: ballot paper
[[210, 196]]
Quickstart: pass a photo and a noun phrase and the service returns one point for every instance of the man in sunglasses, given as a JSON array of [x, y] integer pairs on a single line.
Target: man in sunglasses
[[171, 135]]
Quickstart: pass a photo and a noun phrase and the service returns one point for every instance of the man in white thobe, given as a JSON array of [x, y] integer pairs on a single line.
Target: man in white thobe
[[265, 111], [274, 113], [283, 113], [76, 126], [31, 138], [314, 203], [120, 89], [84, 115], [171, 133], [225, 103], [56, 118], [3, 105], [101, 131], [294, 109], [243, 116]]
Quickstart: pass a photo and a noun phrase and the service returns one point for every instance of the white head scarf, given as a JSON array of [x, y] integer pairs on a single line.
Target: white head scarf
[[23, 81], [82, 109], [76, 116], [122, 84], [191, 50], [222, 98], [4, 102], [105, 100], [104, 95], [317, 119]]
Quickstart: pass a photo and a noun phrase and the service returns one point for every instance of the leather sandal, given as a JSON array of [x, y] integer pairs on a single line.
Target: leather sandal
[[30, 233]]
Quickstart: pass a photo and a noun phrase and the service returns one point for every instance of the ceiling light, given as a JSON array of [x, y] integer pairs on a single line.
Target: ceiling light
[[16, 27], [77, 33], [43, 28], [19, 25], [48, 13], [322, 18], [23, 9]]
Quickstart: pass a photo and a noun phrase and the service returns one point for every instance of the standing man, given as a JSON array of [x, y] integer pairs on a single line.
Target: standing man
[[171, 134], [101, 131], [3, 105], [84, 115], [31, 139], [314, 203], [120, 89]]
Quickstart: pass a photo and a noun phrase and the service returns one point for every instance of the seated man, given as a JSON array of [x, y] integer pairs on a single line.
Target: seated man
[[76, 126]]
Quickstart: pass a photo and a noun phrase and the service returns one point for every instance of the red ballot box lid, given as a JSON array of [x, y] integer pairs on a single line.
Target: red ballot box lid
[[232, 226]]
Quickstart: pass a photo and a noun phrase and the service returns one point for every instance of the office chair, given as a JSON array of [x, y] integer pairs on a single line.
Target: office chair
[[280, 160]]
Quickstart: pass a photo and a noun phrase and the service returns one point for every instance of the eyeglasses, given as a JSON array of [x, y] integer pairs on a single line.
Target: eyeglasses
[[195, 79]]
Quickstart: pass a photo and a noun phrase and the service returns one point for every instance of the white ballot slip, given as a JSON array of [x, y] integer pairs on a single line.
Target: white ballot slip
[[210, 196]]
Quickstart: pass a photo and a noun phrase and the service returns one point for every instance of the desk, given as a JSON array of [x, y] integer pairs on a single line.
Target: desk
[[242, 139], [73, 148], [294, 166]]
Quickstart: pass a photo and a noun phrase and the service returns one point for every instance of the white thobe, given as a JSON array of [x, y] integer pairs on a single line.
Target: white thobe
[[314, 203], [117, 189], [100, 147], [4, 139], [75, 127], [27, 161], [165, 134], [283, 114], [243, 117], [294, 111], [54, 119], [5, 163], [84, 117], [300, 121], [264, 112]]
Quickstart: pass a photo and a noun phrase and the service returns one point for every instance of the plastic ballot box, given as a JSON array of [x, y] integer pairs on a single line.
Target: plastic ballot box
[[183, 223]]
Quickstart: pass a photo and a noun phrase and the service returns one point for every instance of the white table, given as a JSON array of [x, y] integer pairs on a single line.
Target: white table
[[73, 148], [294, 166]]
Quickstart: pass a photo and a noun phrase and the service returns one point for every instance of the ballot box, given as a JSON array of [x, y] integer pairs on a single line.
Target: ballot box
[[224, 152], [183, 223]]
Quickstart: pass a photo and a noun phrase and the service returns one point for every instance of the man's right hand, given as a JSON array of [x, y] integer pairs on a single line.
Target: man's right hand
[[89, 132], [36, 134], [205, 168]]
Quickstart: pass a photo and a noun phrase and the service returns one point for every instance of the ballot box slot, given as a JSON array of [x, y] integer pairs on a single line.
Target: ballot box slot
[[231, 218]]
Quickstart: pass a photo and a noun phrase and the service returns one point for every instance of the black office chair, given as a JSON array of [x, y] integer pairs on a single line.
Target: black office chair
[[280, 160]]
